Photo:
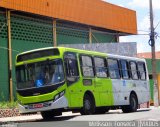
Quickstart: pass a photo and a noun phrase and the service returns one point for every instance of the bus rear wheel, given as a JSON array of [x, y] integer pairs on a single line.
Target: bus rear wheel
[[133, 105], [88, 105]]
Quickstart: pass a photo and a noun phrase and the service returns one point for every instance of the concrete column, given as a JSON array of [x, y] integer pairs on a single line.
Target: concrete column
[[54, 33], [90, 36], [10, 54]]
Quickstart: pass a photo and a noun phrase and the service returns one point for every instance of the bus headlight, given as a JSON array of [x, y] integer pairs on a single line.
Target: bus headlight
[[62, 93], [59, 95], [56, 97]]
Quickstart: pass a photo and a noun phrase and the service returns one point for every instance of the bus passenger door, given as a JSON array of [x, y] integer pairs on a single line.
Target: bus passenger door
[[72, 79], [88, 81], [103, 84]]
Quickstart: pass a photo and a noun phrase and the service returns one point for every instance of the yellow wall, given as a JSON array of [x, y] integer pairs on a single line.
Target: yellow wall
[[158, 79]]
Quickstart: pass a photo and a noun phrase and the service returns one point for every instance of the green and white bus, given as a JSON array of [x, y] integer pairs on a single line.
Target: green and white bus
[[56, 79]]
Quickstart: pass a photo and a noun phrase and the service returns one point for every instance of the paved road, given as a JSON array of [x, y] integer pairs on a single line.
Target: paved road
[[118, 115], [70, 120]]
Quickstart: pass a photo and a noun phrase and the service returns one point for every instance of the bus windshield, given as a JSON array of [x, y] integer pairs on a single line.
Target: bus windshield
[[39, 74]]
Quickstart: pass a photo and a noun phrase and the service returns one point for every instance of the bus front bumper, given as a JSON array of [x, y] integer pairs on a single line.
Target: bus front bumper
[[45, 106]]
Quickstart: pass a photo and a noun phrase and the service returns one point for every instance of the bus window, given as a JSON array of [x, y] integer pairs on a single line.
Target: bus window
[[39, 74], [133, 70], [100, 67], [124, 69], [141, 69], [71, 67], [113, 68], [87, 66]]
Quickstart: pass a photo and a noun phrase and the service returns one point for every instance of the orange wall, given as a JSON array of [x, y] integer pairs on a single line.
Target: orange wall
[[90, 12]]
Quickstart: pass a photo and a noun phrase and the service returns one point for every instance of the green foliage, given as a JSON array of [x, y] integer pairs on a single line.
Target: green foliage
[[10, 105]]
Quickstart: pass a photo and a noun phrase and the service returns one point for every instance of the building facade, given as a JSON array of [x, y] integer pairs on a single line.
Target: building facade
[[26, 25]]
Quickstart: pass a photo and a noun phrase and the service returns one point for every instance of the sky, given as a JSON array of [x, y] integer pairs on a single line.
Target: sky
[[143, 23]]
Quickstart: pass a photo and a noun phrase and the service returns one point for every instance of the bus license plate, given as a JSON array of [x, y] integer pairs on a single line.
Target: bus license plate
[[37, 105]]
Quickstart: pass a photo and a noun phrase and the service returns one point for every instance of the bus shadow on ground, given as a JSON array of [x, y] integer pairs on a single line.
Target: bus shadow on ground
[[59, 118], [66, 118]]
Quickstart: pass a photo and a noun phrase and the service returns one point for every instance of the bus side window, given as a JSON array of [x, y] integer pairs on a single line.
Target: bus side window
[[124, 69], [87, 66], [100, 67], [142, 70], [71, 67], [134, 72], [113, 68]]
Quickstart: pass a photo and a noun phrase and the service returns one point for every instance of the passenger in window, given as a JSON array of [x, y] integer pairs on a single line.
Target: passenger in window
[[40, 80]]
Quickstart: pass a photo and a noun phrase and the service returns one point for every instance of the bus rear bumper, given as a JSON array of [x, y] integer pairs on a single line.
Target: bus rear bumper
[[45, 106]]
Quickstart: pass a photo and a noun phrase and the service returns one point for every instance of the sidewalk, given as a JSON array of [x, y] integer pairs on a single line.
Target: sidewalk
[[21, 118], [30, 117]]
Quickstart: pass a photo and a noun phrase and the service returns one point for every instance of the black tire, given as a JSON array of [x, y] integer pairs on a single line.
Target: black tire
[[125, 109], [49, 115], [88, 105], [101, 110], [133, 105]]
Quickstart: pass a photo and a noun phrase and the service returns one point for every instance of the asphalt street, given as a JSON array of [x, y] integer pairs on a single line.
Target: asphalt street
[[71, 120]]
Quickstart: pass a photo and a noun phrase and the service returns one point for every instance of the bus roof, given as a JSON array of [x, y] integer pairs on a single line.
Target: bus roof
[[65, 49], [85, 51], [125, 57]]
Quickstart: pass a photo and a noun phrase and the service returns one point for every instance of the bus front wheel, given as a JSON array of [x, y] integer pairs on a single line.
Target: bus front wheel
[[133, 105], [49, 115], [88, 105]]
